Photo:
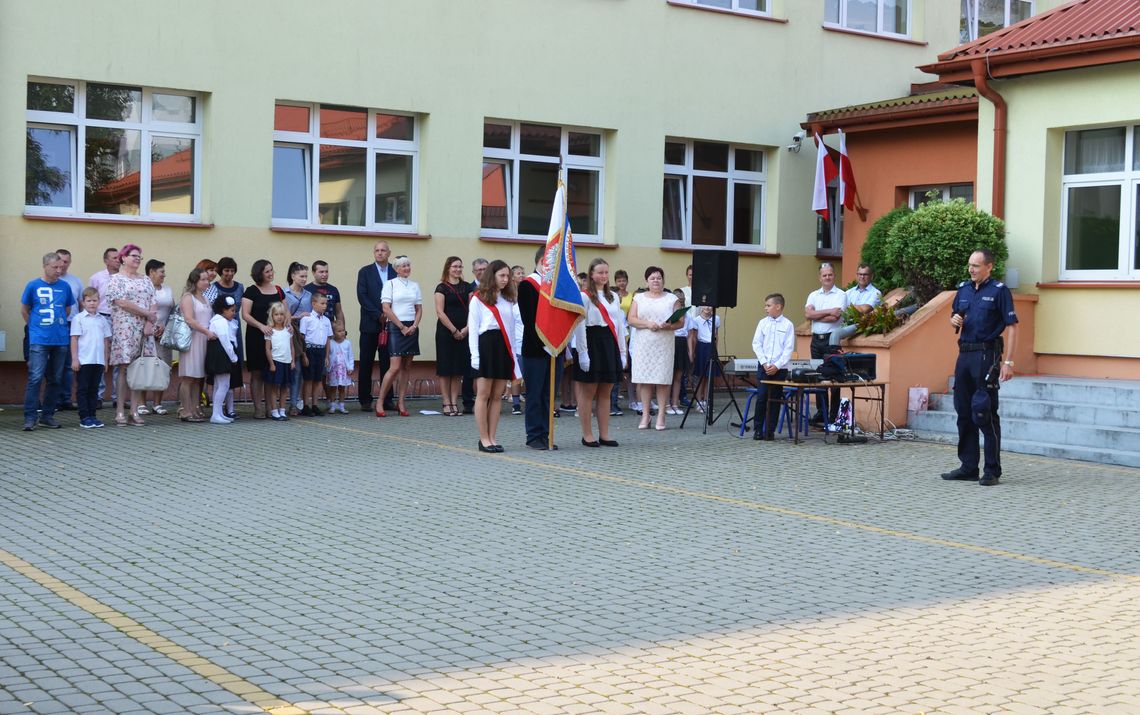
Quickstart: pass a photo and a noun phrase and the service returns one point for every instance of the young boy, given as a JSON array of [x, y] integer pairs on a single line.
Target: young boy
[[90, 345], [773, 343], [317, 331]]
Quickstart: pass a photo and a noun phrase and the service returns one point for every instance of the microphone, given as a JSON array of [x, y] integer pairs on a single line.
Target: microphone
[[958, 328]]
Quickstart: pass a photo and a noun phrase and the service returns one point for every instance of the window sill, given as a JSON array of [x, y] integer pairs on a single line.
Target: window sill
[[117, 221], [741, 252], [526, 241], [331, 231], [1090, 284], [873, 35], [724, 11]]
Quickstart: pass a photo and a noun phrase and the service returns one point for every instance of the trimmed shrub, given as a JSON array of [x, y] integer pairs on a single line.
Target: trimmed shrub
[[874, 251]]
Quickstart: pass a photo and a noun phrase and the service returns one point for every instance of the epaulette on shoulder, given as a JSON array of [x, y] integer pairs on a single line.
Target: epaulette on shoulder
[[999, 284], [963, 283]]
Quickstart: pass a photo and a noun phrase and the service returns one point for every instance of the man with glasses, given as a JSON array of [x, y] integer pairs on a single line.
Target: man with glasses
[[864, 296]]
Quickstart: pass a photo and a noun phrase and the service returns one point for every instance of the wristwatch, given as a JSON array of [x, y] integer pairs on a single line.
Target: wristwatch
[[1007, 362]]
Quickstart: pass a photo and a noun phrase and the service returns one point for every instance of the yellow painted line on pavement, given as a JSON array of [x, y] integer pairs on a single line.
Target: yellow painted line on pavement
[[133, 629], [760, 506]]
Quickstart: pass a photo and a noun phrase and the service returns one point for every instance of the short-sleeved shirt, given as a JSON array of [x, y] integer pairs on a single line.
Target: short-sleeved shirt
[[329, 291], [316, 328], [987, 308], [404, 295], [93, 332], [47, 319], [834, 298], [864, 296]]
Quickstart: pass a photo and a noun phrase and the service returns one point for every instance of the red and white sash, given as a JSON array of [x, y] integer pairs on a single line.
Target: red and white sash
[[506, 338]]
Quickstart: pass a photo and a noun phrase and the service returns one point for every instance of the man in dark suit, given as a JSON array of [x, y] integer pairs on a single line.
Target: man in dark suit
[[370, 282], [478, 266]]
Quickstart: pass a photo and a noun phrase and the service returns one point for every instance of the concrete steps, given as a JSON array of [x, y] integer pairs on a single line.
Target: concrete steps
[[1070, 418]]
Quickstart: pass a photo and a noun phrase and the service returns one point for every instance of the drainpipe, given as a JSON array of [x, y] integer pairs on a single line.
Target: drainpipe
[[981, 82]]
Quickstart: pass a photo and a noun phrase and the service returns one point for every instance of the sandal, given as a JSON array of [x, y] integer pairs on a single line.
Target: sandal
[[142, 410], [160, 410], [137, 421], [121, 420]]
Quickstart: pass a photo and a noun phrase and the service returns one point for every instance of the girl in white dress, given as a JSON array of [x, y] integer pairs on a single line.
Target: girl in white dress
[[653, 343]]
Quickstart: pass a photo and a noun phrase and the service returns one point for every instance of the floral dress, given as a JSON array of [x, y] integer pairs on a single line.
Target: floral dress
[[126, 327]]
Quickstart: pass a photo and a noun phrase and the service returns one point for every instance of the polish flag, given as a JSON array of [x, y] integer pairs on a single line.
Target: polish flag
[[847, 189], [825, 171]]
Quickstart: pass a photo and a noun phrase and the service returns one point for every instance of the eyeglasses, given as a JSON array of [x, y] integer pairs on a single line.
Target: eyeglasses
[[863, 275], [134, 255]]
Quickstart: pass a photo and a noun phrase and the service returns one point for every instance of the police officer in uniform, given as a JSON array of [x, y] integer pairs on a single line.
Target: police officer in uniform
[[983, 311]]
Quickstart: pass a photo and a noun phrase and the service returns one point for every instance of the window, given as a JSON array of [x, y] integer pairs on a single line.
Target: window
[[751, 7], [346, 167], [981, 17], [520, 176], [103, 150], [925, 194], [880, 17], [829, 232], [1099, 205], [713, 195]]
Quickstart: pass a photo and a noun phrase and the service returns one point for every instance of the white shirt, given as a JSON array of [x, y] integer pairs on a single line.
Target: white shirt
[[480, 319], [281, 343], [92, 330], [226, 333], [864, 296], [774, 340], [164, 303], [99, 282], [77, 293], [317, 329], [686, 325], [404, 295], [818, 300], [594, 318], [704, 328]]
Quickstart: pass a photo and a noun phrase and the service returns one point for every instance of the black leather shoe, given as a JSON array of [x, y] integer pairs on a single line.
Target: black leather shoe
[[365, 406], [497, 448], [607, 442], [960, 474], [538, 444], [595, 443], [988, 480], [758, 436], [490, 449]]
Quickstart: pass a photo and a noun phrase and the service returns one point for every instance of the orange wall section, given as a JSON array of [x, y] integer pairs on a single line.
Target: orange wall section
[[888, 162]]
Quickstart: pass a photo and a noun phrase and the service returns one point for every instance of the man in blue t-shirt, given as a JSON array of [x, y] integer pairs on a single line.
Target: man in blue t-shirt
[[45, 305]]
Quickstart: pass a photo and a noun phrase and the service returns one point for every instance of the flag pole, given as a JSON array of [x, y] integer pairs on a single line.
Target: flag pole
[[550, 407]]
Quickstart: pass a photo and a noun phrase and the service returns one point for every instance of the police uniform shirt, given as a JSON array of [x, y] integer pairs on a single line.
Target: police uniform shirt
[[818, 299], [987, 308]]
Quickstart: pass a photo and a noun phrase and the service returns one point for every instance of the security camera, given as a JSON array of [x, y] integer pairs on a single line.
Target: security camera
[[797, 141]]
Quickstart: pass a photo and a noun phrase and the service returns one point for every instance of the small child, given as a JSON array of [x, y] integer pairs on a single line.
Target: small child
[[90, 346], [278, 375], [221, 357], [700, 347], [681, 358], [341, 369], [317, 330]]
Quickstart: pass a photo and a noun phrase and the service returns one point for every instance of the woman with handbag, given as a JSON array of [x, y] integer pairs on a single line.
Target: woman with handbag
[[192, 364], [133, 316], [164, 304]]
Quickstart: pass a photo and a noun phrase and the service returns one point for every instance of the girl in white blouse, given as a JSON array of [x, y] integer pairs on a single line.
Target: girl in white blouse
[[600, 340], [402, 303], [494, 330]]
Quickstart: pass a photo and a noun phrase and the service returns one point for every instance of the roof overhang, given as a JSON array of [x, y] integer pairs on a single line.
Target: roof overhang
[[1053, 58]]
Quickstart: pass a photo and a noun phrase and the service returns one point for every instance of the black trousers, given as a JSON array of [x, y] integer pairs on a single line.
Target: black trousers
[[767, 415], [969, 374], [87, 388], [369, 350], [821, 347]]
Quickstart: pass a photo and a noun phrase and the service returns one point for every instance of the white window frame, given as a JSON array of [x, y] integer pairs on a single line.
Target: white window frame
[[735, 7], [1128, 180], [942, 189], [372, 145], [514, 155], [733, 177], [972, 20], [77, 123], [842, 23]]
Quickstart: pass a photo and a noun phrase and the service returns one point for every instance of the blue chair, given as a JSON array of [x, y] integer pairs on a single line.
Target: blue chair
[[780, 424]]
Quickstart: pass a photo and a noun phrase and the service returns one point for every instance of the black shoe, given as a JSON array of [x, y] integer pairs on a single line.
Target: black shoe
[[616, 412], [557, 413], [468, 410], [497, 448], [30, 426], [490, 449], [65, 407], [595, 443], [316, 411], [963, 475], [365, 406], [607, 442], [516, 410], [538, 444], [50, 423], [988, 480], [758, 436], [306, 411], [816, 421], [390, 406]]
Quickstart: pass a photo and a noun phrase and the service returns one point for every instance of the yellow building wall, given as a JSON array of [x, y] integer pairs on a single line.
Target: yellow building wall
[[640, 71], [1070, 320]]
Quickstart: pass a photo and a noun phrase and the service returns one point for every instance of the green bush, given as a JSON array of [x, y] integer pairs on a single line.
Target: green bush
[[931, 246], [874, 251]]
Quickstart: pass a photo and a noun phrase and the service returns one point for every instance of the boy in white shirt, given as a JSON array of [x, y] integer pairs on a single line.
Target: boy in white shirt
[[773, 343], [90, 345], [317, 330]]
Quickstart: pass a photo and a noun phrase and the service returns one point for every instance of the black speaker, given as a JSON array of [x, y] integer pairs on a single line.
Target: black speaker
[[714, 278]]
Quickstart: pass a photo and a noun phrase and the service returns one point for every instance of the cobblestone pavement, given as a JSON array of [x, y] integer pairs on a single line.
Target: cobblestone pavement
[[353, 565]]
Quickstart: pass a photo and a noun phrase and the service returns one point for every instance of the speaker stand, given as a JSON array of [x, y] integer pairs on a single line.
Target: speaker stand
[[707, 376]]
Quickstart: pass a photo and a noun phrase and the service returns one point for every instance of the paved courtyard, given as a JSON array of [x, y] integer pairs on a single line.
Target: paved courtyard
[[354, 565]]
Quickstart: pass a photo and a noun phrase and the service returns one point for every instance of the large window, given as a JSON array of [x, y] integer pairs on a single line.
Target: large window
[[520, 176], [104, 150], [981, 17], [713, 195], [749, 7], [880, 17], [1100, 203], [344, 166]]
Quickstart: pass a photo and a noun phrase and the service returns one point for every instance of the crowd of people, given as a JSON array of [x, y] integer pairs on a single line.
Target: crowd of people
[[295, 344]]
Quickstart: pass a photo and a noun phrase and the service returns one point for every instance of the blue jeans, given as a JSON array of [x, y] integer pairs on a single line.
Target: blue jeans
[[45, 364]]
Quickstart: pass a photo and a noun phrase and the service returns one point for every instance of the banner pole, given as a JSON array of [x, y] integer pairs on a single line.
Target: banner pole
[[550, 407]]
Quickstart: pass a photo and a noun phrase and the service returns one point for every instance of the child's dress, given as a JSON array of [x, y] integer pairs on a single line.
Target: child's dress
[[340, 363]]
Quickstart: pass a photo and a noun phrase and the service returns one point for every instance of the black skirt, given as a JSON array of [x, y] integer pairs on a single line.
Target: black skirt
[[605, 359], [452, 357], [217, 362], [402, 345], [494, 360], [681, 354]]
